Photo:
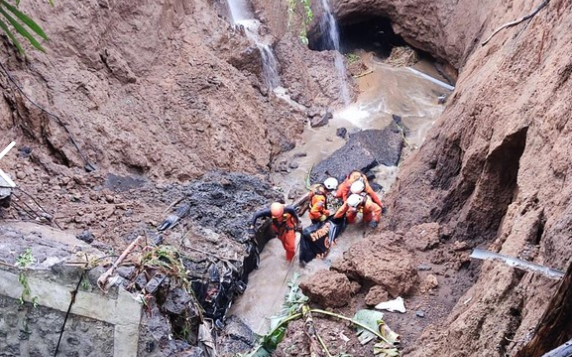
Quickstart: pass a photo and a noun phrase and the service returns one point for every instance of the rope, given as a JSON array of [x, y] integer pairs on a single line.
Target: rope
[[88, 166]]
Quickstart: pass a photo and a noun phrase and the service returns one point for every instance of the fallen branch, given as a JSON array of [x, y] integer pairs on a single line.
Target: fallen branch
[[516, 22], [363, 74], [102, 281]]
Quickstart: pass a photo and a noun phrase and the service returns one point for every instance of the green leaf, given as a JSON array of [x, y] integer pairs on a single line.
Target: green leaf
[[271, 341], [371, 319], [25, 19], [21, 30]]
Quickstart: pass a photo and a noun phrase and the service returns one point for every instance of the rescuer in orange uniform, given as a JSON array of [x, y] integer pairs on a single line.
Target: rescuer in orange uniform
[[285, 223], [360, 204], [355, 176], [318, 204]]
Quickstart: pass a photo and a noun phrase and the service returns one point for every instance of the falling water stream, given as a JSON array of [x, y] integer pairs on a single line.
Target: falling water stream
[[241, 16], [329, 26], [387, 90]]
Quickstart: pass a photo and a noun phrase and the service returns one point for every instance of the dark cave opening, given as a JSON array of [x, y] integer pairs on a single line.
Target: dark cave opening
[[371, 34]]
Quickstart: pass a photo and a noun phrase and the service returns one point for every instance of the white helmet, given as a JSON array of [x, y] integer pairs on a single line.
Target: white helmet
[[354, 200], [331, 183], [357, 187]]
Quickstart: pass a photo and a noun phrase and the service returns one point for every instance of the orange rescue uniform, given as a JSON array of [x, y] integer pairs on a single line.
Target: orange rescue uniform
[[371, 211], [318, 207], [284, 226], [344, 192]]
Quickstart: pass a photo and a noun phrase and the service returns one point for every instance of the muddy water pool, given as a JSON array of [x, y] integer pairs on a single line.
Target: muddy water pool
[[387, 90]]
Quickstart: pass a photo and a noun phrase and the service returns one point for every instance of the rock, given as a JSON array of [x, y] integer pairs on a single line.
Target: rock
[[376, 295], [423, 236], [236, 337], [125, 272], [459, 246], [381, 260], [429, 283], [328, 289], [86, 236], [154, 283], [341, 132], [20, 175], [318, 121], [140, 281], [176, 302], [419, 313], [293, 165], [157, 323], [300, 154], [363, 151]]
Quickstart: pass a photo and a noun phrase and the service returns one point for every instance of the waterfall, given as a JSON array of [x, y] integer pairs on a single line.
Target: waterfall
[[242, 17], [329, 26]]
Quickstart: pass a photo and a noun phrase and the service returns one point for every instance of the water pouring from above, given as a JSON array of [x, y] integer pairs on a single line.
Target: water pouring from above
[[242, 17], [329, 26]]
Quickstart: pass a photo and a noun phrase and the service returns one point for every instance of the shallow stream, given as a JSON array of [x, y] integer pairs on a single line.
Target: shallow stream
[[387, 90]]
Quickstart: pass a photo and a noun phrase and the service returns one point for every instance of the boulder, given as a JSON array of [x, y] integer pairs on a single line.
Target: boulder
[[423, 236], [321, 120], [363, 151], [380, 261], [328, 289]]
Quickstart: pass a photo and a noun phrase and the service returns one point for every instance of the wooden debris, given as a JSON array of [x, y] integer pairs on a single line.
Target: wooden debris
[[102, 281]]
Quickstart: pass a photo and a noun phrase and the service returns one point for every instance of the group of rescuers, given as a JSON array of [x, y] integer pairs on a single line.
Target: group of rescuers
[[359, 199]]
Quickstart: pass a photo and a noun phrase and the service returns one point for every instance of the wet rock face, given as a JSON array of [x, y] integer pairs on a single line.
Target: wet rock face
[[381, 261], [363, 151], [328, 289]]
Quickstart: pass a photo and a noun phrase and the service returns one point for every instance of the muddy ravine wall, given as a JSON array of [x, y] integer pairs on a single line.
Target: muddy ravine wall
[[493, 170]]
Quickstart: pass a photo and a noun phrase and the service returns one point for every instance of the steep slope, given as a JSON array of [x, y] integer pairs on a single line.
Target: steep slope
[[153, 88], [493, 170]]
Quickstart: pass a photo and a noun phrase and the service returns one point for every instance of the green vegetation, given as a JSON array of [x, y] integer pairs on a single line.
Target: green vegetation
[[352, 57], [23, 262], [307, 15], [369, 326], [13, 20]]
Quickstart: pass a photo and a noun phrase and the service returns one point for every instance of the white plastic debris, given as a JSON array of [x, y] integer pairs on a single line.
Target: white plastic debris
[[392, 305]]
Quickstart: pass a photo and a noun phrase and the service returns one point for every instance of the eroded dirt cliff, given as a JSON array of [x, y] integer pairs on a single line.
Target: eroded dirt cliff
[[493, 170], [150, 88]]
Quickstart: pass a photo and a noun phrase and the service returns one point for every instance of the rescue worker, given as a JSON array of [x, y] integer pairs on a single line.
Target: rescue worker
[[334, 203], [344, 188], [360, 205], [285, 223], [318, 203]]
